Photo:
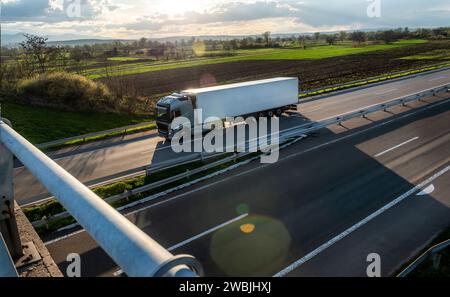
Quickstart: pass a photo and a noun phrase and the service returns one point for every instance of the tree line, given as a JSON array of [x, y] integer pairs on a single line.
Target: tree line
[[36, 55]]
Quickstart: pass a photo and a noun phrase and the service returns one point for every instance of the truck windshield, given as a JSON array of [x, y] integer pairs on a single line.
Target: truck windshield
[[162, 114]]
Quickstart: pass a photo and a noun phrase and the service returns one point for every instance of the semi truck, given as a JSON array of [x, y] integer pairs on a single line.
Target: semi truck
[[261, 98]]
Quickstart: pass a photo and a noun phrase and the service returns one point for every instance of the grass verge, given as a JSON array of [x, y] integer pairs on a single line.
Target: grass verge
[[40, 124], [84, 140], [372, 80]]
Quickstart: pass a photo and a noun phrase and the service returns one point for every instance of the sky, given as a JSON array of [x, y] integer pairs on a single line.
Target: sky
[[164, 18]]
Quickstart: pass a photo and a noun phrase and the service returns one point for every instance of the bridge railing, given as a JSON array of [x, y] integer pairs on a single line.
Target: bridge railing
[[133, 250]]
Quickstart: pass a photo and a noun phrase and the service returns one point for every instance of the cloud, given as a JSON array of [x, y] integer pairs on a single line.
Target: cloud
[[238, 11], [52, 11], [126, 18], [25, 10], [224, 13]]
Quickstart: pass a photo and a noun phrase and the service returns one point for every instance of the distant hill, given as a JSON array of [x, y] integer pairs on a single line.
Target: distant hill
[[73, 40], [67, 40], [10, 39], [86, 42]]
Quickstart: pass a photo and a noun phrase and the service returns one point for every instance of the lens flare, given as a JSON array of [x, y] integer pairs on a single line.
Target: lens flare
[[248, 228], [199, 48], [207, 80], [258, 246]]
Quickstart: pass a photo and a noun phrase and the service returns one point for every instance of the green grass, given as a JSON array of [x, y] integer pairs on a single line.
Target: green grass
[[320, 52], [123, 59], [442, 54], [39, 124], [372, 80], [103, 136], [329, 51]]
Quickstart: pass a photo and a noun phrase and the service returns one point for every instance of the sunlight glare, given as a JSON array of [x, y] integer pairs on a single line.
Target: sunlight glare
[[177, 7]]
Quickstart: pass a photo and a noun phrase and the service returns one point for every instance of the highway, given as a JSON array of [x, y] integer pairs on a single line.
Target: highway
[[313, 212], [102, 161]]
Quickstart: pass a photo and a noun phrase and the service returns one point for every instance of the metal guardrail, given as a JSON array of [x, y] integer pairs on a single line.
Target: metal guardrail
[[133, 250], [148, 169], [378, 79], [431, 251], [146, 188], [7, 268], [285, 134], [120, 130]]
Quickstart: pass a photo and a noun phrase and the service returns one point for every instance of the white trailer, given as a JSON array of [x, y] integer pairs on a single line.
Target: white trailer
[[268, 97], [245, 98]]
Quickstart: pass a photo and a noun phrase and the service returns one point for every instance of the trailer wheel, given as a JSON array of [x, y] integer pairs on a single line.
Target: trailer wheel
[[270, 114], [279, 112], [261, 115]]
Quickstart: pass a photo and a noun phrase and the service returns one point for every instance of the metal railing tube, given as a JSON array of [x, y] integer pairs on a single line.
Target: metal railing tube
[[133, 250]]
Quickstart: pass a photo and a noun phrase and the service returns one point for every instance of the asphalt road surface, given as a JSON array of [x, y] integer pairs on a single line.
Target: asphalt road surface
[[93, 163], [328, 203]]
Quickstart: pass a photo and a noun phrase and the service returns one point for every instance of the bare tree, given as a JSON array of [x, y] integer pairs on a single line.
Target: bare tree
[[37, 53], [343, 36], [388, 36], [302, 41], [317, 36], [358, 36], [331, 39], [266, 36]]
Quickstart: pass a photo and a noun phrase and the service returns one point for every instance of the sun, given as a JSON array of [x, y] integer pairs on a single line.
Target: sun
[[177, 7]]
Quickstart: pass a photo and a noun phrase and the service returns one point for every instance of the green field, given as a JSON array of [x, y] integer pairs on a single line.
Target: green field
[[123, 59], [442, 55], [312, 53], [39, 125]]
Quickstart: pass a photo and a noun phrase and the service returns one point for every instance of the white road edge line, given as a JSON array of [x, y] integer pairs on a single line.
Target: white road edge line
[[396, 147], [63, 237], [358, 225], [438, 78], [386, 91], [207, 232]]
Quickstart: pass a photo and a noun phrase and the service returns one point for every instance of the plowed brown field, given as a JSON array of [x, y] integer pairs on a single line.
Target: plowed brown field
[[312, 73]]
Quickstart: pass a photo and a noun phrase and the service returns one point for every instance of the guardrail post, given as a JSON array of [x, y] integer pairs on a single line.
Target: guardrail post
[[8, 224], [436, 260]]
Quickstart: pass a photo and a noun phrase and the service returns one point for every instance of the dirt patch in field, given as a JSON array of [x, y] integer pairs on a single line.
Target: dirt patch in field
[[312, 73]]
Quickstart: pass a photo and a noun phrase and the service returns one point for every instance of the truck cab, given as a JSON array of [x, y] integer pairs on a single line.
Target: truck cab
[[171, 107]]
